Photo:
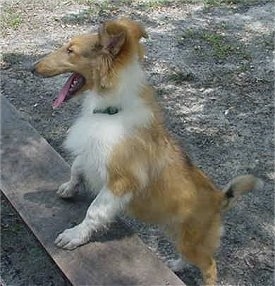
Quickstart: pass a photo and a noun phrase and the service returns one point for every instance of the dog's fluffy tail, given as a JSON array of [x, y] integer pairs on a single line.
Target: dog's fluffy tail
[[237, 187]]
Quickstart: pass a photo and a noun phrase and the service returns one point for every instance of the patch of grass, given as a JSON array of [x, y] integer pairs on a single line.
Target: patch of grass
[[212, 44], [16, 227], [217, 3], [83, 2], [107, 4], [80, 18], [36, 251], [94, 8], [180, 77], [10, 18], [151, 4], [11, 58], [188, 34], [268, 41], [218, 44], [104, 5]]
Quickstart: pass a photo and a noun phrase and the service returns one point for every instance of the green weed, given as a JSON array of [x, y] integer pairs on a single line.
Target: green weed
[[217, 3], [218, 44], [180, 77], [151, 4], [10, 18], [11, 58], [212, 44], [81, 17]]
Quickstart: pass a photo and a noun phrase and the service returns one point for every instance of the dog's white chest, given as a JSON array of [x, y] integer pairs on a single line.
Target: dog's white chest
[[93, 139]]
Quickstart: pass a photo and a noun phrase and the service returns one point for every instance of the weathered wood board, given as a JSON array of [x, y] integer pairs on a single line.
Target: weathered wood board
[[31, 173]]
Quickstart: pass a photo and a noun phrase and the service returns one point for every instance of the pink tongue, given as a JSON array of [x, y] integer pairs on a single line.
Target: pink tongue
[[63, 92]]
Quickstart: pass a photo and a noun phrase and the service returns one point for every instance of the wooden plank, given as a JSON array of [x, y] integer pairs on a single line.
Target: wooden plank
[[31, 173]]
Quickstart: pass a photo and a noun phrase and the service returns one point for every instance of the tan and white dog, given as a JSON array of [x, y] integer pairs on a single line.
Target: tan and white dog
[[126, 155]]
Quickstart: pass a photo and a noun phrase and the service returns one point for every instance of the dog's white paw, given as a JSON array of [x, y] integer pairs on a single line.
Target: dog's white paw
[[175, 265], [71, 238], [66, 190]]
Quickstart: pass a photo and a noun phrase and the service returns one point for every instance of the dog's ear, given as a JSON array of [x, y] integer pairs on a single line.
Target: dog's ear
[[136, 29], [112, 37]]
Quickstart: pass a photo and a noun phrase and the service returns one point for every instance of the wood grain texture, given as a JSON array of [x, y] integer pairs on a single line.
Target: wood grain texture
[[31, 174]]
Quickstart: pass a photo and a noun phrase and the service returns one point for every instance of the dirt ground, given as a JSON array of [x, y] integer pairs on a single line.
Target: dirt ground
[[211, 64]]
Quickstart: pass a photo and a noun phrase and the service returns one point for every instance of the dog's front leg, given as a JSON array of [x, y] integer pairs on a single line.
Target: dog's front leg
[[101, 212], [70, 188]]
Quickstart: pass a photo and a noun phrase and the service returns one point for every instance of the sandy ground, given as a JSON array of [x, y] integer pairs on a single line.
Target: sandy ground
[[210, 62]]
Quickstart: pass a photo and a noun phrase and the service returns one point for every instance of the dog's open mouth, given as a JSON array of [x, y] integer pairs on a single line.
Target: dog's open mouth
[[74, 83]]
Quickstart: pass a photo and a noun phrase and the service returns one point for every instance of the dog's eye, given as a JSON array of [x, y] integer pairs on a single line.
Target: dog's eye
[[70, 51]]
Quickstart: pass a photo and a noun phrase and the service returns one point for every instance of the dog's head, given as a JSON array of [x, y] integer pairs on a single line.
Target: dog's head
[[93, 59]]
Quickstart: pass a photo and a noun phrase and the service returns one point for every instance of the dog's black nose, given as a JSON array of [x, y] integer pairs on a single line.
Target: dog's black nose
[[32, 70]]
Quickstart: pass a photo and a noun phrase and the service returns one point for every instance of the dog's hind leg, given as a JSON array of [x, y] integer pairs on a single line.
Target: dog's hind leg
[[205, 262], [198, 243], [70, 188], [175, 265]]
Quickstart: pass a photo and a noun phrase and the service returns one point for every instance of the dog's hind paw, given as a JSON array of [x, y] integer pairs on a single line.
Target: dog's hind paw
[[67, 190], [175, 265]]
